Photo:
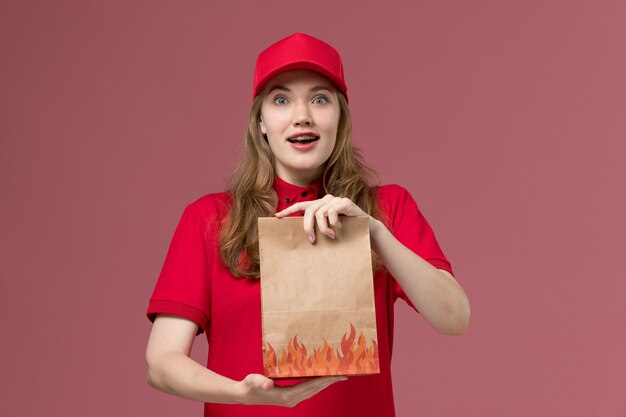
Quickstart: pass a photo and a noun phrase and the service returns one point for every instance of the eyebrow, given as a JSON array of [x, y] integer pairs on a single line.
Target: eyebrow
[[282, 87]]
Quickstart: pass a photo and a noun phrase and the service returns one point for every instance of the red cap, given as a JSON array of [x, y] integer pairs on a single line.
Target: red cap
[[298, 51]]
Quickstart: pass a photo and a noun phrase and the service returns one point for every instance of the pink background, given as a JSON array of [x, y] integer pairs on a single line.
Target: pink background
[[505, 120]]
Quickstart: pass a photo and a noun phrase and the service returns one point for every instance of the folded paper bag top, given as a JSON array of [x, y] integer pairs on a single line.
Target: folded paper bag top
[[318, 313]]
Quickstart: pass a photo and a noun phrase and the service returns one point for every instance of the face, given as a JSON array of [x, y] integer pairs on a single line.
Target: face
[[300, 115]]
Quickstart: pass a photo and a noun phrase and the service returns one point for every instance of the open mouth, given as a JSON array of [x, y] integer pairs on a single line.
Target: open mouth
[[303, 139]]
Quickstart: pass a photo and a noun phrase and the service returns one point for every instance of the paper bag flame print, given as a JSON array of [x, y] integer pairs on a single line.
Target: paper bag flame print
[[354, 358]]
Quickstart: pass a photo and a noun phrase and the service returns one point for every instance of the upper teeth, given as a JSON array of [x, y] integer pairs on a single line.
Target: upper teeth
[[303, 137]]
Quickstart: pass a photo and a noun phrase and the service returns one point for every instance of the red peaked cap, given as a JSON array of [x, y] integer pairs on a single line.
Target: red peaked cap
[[298, 51]]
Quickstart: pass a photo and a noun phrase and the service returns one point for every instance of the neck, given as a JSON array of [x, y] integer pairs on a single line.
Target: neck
[[300, 179]]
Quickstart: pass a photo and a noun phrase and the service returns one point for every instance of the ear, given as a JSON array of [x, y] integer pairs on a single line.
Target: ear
[[262, 126]]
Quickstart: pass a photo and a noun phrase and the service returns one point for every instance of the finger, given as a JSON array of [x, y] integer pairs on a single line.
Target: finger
[[311, 391], [340, 206], [320, 217], [315, 383], [333, 219], [296, 393], [294, 208], [326, 384], [314, 388], [323, 213], [309, 216]]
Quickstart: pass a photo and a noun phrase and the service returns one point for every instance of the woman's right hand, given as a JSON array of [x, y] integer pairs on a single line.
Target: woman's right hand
[[259, 389], [170, 369]]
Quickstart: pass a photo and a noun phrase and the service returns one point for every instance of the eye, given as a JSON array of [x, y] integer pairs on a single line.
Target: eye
[[280, 100], [320, 100]]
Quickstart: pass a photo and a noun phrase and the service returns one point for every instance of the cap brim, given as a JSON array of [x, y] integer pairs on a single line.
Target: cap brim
[[301, 65]]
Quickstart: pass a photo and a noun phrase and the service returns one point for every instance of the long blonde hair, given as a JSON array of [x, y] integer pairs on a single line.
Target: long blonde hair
[[252, 195]]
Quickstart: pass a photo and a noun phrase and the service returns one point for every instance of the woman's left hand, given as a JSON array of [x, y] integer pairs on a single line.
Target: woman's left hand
[[329, 207]]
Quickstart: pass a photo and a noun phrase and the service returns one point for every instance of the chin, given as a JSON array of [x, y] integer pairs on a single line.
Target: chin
[[307, 169]]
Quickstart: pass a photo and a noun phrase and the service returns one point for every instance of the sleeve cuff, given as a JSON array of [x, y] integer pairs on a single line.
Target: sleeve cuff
[[178, 309], [439, 264]]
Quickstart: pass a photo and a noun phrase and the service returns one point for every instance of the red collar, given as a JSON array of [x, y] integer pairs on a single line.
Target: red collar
[[288, 194]]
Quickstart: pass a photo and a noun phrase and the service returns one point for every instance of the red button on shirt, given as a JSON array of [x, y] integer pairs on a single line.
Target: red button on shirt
[[194, 284]]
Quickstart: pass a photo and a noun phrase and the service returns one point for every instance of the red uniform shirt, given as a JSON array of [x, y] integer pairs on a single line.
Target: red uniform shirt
[[194, 284]]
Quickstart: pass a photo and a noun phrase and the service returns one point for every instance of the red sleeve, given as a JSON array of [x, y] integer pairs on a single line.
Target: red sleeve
[[410, 227], [184, 285]]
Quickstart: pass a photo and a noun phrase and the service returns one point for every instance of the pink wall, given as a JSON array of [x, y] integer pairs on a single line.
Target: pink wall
[[506, 121]]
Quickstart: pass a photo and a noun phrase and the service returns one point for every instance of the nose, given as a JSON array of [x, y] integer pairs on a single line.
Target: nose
[[302, 115]]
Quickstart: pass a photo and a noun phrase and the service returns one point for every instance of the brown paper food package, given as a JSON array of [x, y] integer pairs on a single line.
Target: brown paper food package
[[317, 300]]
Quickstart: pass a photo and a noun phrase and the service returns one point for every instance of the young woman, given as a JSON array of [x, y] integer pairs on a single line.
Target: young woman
[[298, 160]]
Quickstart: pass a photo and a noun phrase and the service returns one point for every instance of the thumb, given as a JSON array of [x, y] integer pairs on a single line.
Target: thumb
[[258, 381]]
